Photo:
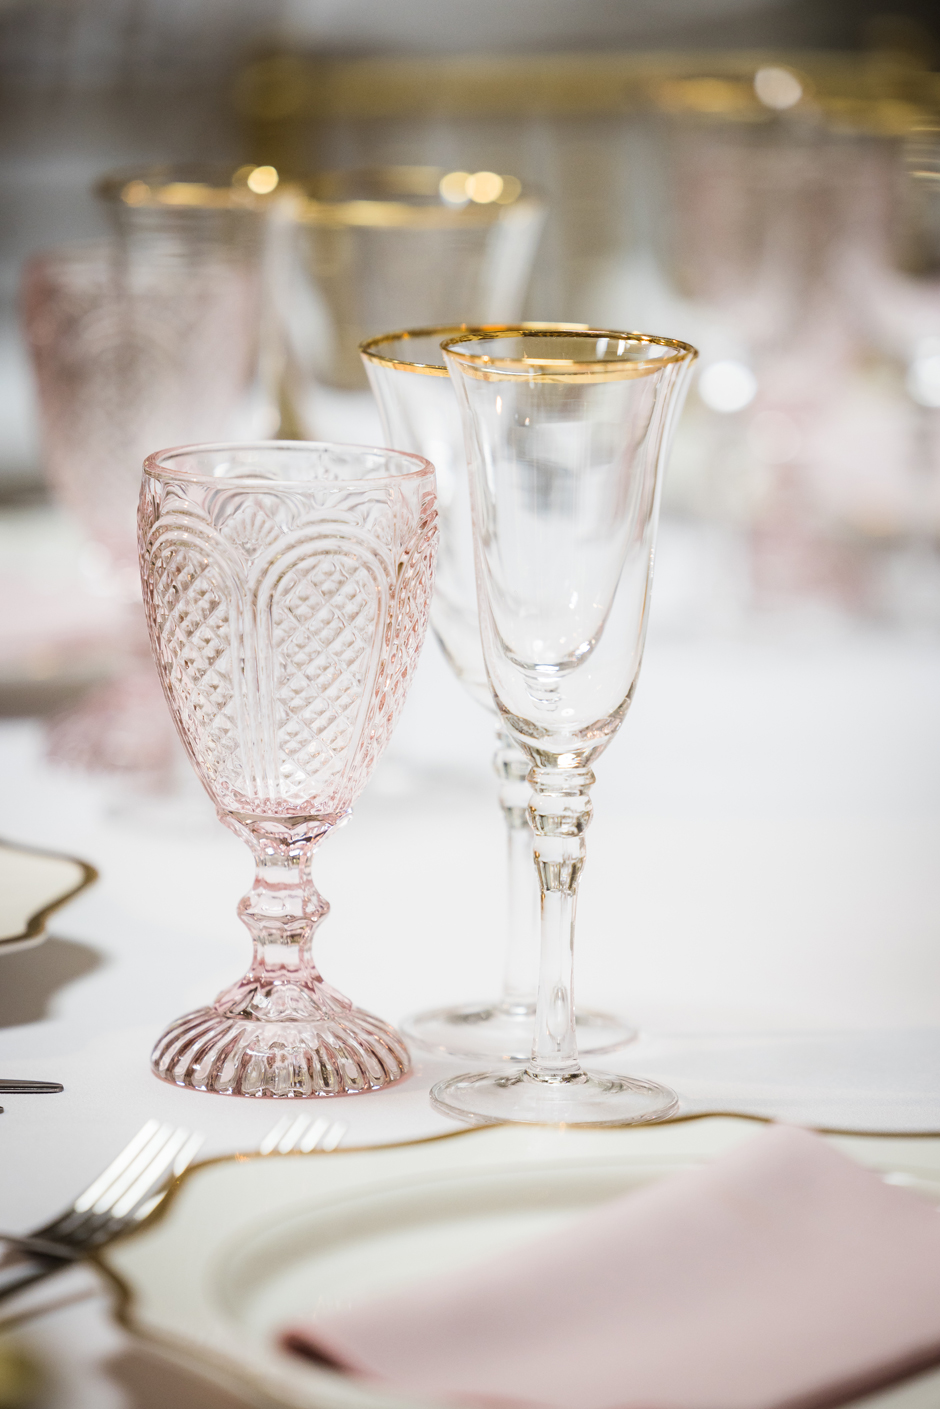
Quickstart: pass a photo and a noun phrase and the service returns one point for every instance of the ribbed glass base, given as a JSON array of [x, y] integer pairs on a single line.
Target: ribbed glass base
[[237, 1055]]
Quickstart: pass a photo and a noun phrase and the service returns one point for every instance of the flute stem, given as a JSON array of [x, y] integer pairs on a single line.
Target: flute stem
[[560, 812], [520, 976]]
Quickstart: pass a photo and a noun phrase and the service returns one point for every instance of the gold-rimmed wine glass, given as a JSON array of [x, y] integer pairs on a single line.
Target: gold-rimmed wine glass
[[567, 435], [420, 413]]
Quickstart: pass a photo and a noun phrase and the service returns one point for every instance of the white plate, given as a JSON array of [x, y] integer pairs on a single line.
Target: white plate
[[32, 885], [248, 1244]]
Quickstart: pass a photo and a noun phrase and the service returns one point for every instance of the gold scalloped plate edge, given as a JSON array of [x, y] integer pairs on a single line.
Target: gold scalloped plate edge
[[883, 1152], [34, 922]]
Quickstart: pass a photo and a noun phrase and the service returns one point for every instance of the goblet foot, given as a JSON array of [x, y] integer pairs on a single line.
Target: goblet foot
[[587, 1098], [339, 1054], [503, 1031]]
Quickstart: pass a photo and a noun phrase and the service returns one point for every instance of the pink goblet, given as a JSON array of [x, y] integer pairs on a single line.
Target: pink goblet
[[153, 337], [286, 587]]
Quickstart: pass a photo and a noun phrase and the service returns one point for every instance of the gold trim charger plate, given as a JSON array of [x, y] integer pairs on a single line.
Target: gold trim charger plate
[[245, 1245], [34, 884]]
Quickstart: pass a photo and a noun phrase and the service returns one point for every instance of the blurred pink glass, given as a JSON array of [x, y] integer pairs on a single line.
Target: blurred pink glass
[[286, 587], [150, 338], [785, 236]]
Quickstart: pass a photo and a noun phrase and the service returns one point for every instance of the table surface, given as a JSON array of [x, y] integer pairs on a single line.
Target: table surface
[[763, 859]]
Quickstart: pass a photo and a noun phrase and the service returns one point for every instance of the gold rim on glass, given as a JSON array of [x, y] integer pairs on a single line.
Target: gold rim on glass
[[422, 197], [569, 368], [190, 187], [370, 347]]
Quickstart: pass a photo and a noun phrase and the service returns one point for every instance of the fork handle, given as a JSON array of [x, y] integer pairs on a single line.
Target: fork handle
[[15, 1276], [37, 1260], [41, 1247]]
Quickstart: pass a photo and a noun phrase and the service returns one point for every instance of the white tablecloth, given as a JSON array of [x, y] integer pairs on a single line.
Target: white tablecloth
[[763, 860]]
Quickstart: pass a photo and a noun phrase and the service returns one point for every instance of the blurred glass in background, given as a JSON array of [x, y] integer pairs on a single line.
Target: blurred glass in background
[[752, 176], [156, 336], [386, 248], [157, 332]]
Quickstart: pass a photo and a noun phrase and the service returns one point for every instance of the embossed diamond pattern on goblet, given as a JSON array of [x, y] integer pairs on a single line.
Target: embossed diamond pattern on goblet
[[286, 587]]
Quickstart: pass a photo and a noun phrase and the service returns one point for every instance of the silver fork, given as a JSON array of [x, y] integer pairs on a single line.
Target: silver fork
[[122, 1195], [131, 1187], [304, 1133]]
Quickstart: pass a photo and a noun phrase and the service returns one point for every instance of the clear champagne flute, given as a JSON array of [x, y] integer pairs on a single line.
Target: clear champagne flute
[[420, 413], [567, 435], [286, 587]]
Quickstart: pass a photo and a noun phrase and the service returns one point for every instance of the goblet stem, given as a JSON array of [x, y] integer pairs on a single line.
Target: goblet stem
[[281, 913], [281, 1030], [519, 983], [560, 812]]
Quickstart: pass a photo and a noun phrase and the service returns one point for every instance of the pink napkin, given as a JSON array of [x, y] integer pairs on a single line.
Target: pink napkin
[[781, 1276]]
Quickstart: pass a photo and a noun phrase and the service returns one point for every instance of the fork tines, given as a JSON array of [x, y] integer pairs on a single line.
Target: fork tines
[[136, 1181], [128, 1189], [304, 1133]]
